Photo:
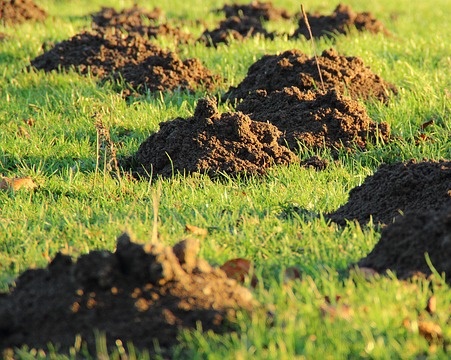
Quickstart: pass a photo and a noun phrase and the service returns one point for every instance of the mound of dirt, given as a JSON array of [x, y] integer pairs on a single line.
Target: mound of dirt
[[256, 9], [400, 187], [138, 294], [210, 143], [294, 68], [18, 11], [139, 20], [131, 57], [238, 28], [315, 119], [341, 21], [403, 244]]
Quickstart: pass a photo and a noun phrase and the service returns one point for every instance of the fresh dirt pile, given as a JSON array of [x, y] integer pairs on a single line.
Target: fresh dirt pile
[[211, 143], [138, 20], [18, 11], [341, 21], [403, 244], [256, 9], [315, 119], [237, 28], [401, 187], [130, 57], [294, 68], [138, 294]]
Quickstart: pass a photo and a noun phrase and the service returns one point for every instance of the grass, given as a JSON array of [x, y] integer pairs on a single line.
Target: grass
[[79, 207]]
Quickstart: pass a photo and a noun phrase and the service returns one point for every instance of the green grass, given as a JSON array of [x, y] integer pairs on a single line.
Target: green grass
[[79, 207]]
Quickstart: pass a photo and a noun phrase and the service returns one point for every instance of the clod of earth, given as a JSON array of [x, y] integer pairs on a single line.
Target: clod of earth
[[256, 9], [131, 57], [138, 294], [211, 143], [315, 119], [341, 21], [404, 243], [18, 11], [348, 75], [237, 28], [398, 188]]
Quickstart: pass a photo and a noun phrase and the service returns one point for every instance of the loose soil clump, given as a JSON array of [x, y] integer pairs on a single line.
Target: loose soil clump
[[211, 143], [18, 11], [347, 75], [403, 244], [131, 57], [398, 188], [237, 28], [136, 294], [341, 21], [315, 120], [256, 9]]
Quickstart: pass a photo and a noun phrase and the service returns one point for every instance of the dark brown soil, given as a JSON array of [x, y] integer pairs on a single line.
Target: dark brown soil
[[138, 20], [256, 9], [140, 63], [401, 187], [237, 28], [18, 11], [294, 68], [212, 143], [138, 293], [341, 21], [315, 119], [403, 244]]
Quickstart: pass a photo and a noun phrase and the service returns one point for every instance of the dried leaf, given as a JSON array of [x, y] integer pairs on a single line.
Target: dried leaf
[[196, 230], [238, 269], [430, 330], [431, 306], [17, 184]]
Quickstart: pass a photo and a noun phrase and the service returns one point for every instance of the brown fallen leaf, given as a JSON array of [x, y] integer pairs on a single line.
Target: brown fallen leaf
[[430, 330], [17, 184], [239, 270], [196, 230], [431, 306]]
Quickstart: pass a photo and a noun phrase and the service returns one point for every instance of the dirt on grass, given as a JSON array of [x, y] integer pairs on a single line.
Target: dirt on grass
[[138, 293], [403, 244], [19, 11], [211, 143], [315, 120], [256, 9], [347, 75], [341, 21], [398, 188], [130, 57]]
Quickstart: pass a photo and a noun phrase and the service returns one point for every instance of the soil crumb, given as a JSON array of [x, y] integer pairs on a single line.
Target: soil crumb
[[131, 57], [341, 21], [403, 244], [212, 143], [315, 120], [256, 9], [398, 188], [19, 11], [348, 75], [139, 294], [237, 28]]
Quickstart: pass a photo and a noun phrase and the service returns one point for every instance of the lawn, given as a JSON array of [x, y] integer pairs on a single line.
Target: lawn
[[48, 133]]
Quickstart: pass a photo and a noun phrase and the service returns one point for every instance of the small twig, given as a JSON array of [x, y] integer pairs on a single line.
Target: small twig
[[304, 15]]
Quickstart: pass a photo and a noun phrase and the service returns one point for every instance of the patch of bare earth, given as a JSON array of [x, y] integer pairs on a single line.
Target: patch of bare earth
[[315, 120], [143, 294], [341, 21], [395, 189], [347, 75], [256, 9], [18, 11], [211, 143]]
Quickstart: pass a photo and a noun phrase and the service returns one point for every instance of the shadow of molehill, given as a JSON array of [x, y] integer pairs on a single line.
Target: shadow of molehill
[[139, 294]]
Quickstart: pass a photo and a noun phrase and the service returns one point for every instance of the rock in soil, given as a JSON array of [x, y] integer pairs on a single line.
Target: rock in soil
[[348, 75], [139, 293], [395, 189], [211, 143]]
